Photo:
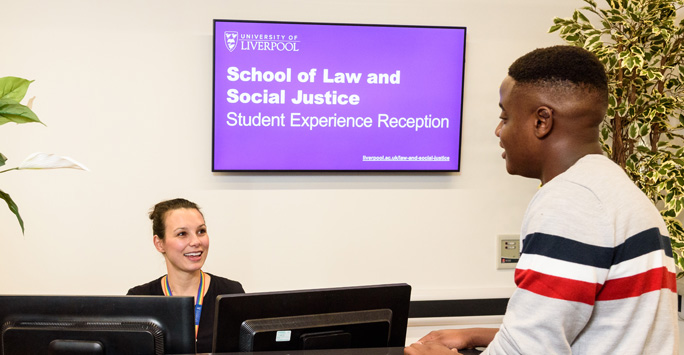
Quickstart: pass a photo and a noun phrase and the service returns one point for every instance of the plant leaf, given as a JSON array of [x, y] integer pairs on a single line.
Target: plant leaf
[[3, 159], [12, 111], [13, 88], [13, 207], [581, 17], [49, 161], [633, 130]]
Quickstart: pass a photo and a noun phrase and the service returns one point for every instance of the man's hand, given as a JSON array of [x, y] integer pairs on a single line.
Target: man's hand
[[451, 338], [461, 338], [430, 348]]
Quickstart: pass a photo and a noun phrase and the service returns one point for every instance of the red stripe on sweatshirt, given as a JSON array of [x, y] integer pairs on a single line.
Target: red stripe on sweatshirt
[[587, 292], [557, 287], [637, 285]]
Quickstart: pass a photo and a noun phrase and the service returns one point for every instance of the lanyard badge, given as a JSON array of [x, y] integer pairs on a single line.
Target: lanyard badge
[[198, 300]]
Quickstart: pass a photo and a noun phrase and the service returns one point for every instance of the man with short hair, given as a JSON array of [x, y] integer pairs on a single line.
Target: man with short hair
[[596, 274]]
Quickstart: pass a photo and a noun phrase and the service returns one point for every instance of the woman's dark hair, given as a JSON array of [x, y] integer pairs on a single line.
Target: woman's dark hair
[[158, 213]]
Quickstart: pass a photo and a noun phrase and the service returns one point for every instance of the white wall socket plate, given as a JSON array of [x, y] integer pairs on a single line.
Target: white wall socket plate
[[507, 251]]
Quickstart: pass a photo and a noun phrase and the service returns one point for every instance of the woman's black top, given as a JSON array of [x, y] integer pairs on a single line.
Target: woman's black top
[[217, 286]]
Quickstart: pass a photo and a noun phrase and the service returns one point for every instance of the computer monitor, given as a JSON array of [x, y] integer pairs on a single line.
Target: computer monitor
[[96, 325], [331, 318]]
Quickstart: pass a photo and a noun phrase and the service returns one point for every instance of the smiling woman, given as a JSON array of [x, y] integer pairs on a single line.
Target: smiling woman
[[180, 234]]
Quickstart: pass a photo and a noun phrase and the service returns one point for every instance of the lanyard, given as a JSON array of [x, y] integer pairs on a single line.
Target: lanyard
[[198, 300]]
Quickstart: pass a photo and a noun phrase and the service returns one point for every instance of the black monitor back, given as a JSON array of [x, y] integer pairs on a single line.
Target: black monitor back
[[96, 325], [346, 317]]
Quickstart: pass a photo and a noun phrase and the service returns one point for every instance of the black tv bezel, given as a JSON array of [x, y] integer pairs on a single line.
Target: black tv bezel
[[232, 310], [174, 315], [370, 171]]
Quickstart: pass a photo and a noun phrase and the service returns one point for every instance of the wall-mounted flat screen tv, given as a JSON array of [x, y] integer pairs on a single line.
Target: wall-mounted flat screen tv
[[337, 97]]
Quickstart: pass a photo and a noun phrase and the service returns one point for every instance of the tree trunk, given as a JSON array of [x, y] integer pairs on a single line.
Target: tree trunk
[[618, 142]]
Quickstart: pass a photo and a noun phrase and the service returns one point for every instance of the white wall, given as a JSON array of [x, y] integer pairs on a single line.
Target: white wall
[[125, 87]]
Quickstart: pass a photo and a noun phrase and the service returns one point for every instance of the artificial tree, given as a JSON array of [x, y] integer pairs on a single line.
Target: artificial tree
[[12, 91], [641, 44]]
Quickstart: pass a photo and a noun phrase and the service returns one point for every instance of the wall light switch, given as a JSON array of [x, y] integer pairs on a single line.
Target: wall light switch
[[508, 251]]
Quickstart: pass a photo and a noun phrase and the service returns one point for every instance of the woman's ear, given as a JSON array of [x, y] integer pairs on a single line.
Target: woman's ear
[[159, 244], [543, 121]]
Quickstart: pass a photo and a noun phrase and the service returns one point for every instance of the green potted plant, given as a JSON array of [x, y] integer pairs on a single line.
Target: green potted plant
[[641, 43], [12, 91]]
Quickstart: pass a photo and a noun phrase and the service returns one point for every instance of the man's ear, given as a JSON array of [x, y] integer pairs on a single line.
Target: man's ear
[[543, 121]]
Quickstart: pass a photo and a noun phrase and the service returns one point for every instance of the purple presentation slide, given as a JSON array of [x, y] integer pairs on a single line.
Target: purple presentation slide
[[337, 97]]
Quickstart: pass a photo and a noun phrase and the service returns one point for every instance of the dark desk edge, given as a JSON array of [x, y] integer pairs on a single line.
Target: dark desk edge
[[365, 351], [458, 308]]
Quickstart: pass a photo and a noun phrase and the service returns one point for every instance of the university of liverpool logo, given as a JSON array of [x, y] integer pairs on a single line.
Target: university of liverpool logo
[[231, 39]]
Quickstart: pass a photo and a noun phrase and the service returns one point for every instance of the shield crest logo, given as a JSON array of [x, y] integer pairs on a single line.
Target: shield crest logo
[[231, 39]]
